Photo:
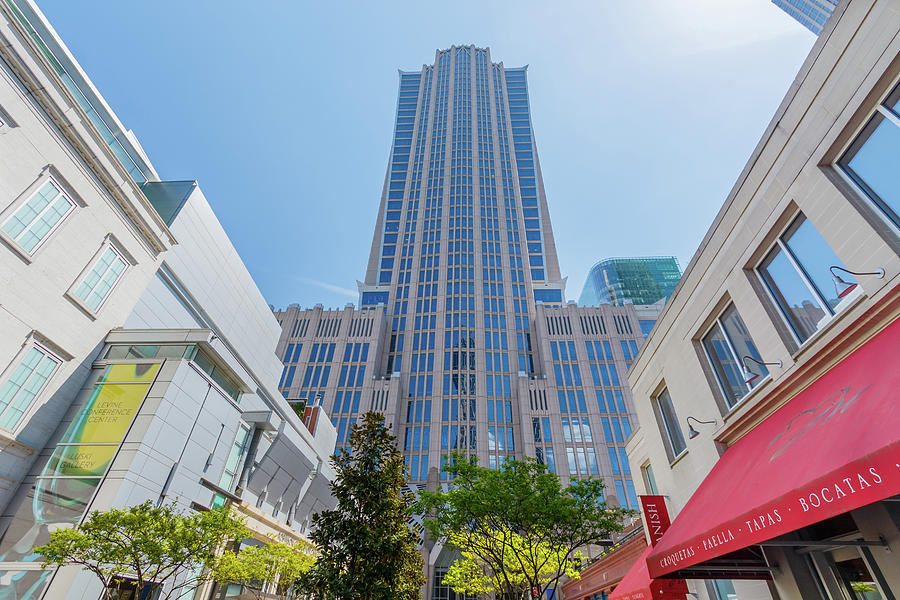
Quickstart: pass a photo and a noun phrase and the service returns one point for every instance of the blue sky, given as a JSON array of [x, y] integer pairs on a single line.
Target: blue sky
[[644, 111]]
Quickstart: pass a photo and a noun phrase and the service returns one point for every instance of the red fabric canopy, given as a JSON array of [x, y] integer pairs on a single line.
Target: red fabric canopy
[[833, 448], [637, 585]]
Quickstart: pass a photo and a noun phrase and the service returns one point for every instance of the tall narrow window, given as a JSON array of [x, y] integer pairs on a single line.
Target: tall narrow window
[[100, 279], [234, 457], [673, 436], [871, 160], [726, 344], [649, 479], [19, 391], [797, 273], [34, 220]]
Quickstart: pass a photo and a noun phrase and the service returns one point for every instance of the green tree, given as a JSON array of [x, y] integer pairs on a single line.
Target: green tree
[[475, 576], [145, 544], [255, 567], [366, 549], [517, 525]]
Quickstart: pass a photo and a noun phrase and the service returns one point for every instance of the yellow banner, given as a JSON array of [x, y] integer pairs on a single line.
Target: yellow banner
[[111, 409]]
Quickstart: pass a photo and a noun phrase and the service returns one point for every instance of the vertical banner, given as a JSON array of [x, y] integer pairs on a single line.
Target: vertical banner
[[656, 516], [62, 491]]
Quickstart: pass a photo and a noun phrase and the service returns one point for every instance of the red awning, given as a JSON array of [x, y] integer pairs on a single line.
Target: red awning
[[637, 585], [833, 448]]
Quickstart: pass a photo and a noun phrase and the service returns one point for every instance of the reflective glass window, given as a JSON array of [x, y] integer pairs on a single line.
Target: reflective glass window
[[726, 345], [872, 159], [670, 423], [797, 273]]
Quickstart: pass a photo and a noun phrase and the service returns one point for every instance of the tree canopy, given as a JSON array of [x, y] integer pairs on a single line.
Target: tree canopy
[[257, 566], [516, 525], [366, 549], [145, 544]]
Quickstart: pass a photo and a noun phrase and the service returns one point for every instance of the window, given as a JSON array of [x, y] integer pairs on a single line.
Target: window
[[36, 218], [127, 589], [20, 390], [649, 479], [722, 589], [871, 159], [797, 273], [95, 286], [673, 437], [234, 457], [726, 345]]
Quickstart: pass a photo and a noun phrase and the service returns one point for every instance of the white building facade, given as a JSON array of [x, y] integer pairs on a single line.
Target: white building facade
[[137, 355]]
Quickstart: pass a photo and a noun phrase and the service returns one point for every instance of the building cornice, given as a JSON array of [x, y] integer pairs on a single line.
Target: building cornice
[[95, 154]]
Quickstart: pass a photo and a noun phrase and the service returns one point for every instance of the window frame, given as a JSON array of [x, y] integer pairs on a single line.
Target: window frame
[[857, 184], [668, 442], [830, 313], [49, 175], [30, 343], [109, 243], [717, 324], [247, 431], [649, 479]]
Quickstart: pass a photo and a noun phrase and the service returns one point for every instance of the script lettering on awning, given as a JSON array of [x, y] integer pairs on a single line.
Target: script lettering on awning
[[831, 449]]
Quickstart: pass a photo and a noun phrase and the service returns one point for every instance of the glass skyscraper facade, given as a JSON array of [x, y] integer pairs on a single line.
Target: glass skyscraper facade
[[812, 14], [463, 338], [635, 280]]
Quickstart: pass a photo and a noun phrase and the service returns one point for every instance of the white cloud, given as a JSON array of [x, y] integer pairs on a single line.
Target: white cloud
[[329, 286]]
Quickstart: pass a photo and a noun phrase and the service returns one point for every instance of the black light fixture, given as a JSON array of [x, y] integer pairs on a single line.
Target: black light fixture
[[750, 376], [692, 433], [845, 287]]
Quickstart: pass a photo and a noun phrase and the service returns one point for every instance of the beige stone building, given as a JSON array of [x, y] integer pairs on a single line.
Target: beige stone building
[[767, 393], [463, 338]]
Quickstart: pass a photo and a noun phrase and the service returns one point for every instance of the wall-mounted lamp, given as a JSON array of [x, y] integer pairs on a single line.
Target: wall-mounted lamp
[[844, 287], [692, 433], [750, 376]]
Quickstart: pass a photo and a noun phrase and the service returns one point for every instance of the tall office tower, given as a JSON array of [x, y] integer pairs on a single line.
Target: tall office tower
[[463, 338], [636, 280], [812, 14]]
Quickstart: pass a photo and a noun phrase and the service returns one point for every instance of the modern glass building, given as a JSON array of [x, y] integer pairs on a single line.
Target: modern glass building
[[463, 337], [812, 14], [636, 280]]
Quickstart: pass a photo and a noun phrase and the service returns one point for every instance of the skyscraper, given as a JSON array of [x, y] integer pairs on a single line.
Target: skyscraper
[[638, 280], [812, 14], [463, 337]]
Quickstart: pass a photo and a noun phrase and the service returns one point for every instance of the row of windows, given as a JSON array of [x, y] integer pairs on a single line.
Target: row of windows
[[33, 220], [417, 467], [582, 461], [576, 429], [417, 439], [28, 226], [799, 273]]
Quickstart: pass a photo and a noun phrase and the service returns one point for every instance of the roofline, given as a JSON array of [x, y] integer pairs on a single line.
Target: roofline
[[789, 97]]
